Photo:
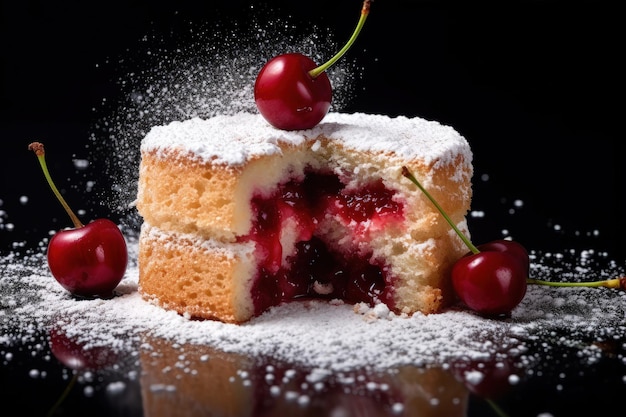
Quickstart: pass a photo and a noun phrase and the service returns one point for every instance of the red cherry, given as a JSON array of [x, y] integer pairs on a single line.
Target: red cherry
[[288, 96], [490, 282], [292, 92], [90, 260], [492, 278], [508, 246]]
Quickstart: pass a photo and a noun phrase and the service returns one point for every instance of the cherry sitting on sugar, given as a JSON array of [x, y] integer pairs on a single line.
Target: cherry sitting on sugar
[[292, 92], [88, 260], [492, 278], [492, 281]]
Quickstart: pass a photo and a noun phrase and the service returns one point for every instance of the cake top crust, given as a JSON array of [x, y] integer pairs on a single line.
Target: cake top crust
[[237, 139]]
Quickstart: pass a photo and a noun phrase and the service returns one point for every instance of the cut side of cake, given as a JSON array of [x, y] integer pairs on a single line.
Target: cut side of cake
[[239, 216]]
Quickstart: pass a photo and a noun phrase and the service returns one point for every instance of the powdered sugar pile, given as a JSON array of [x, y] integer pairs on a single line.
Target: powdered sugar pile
[[318, 334]]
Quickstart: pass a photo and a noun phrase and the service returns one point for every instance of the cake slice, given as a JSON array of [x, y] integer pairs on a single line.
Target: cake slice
[[239, 216]]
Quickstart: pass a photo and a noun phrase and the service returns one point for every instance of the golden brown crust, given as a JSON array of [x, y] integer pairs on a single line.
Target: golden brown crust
[[180, 193], [179, 273]]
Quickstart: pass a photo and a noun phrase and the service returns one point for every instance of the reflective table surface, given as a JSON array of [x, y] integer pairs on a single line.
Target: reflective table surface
[[531, 85]]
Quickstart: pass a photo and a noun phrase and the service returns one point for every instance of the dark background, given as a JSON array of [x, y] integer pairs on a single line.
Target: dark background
[[534, 86]]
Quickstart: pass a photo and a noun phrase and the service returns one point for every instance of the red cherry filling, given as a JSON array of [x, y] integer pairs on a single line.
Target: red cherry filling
[[373, 202], [314, 269]]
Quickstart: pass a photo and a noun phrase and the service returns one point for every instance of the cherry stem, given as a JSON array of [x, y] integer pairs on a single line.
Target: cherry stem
[[468, 243], [365, 11], [608, 283], [38, 148]]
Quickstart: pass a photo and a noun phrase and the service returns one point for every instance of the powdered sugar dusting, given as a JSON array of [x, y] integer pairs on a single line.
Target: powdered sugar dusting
[[316, 334], [194, 78], [236, 139], [198, 71], [304, 349]]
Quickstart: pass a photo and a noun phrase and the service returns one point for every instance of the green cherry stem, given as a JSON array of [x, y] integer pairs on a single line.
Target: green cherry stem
[[468, 243], [38, 148], [365, 11], [619, 283]]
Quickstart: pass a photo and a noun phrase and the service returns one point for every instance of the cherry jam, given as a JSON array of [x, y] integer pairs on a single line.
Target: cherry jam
[[314, 270]]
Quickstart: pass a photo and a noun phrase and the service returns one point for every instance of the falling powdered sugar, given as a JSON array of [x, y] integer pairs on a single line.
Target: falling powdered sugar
[[197, 71]]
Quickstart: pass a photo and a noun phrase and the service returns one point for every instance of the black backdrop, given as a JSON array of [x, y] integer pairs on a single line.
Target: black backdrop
[[533, 85]]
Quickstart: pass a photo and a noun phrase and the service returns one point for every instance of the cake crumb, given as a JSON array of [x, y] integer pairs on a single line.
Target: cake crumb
[[373, 313]]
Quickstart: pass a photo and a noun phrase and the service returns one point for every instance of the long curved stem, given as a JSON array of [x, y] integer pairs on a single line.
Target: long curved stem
[[468, 243], [608, 283], [38, 148], [619, 283], [364, 13]]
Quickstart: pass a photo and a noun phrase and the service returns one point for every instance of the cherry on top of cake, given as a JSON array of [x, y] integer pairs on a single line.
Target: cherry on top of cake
[[237, 139]]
